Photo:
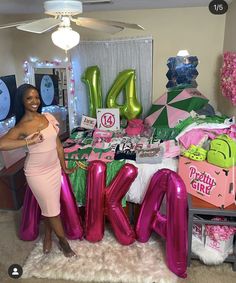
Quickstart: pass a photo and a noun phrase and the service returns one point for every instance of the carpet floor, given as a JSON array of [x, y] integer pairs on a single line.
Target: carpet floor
[[104, 261], [13, 250]]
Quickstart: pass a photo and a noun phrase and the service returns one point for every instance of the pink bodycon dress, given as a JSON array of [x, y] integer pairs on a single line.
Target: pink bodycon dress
[[43, 171]]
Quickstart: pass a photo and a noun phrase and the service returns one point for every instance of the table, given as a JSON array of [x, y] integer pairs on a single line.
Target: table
[[198, 207], [12, 186]]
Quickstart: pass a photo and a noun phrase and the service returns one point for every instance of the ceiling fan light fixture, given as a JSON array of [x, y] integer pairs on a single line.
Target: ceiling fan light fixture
[[63, 7], [65, 38]]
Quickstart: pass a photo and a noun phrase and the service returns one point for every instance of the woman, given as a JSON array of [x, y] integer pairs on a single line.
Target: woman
[[45, 158]]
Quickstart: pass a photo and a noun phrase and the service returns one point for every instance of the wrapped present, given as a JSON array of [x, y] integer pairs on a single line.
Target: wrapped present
[[220, 237], [198, 230], [212, 243]]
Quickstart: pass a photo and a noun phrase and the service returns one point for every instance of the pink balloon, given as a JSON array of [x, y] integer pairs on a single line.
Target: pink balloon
[[173, 226], [70, 215], [30, 217], [114, 193], [31, 213], [101, 201], [94, 208]]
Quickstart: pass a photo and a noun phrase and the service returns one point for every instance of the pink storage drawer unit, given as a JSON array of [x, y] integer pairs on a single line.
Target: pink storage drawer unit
[[208, 182]]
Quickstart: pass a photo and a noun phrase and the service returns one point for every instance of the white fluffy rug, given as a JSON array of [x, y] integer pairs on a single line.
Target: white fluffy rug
[[106, 261]]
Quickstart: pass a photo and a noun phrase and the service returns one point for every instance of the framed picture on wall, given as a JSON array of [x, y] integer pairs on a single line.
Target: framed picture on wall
[[48, 88], [7, 94]]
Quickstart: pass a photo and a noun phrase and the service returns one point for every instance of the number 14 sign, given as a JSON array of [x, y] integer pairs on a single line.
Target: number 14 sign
[[108, 119]]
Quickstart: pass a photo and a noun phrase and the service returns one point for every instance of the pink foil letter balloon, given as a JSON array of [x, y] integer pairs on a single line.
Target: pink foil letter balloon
[[31, 213], [173, 225], [103, 201], [70, 215], [94, 208], [30, 217]]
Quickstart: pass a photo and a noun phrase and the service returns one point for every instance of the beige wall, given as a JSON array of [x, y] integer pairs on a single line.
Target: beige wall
[[7, 59], [229, 45], [194, 29]]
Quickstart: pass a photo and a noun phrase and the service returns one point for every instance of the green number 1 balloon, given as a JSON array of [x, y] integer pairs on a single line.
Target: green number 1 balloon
[[125, 81], [91, 77]]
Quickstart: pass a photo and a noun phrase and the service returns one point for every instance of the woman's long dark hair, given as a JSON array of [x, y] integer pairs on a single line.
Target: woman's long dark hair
[[19, 108]]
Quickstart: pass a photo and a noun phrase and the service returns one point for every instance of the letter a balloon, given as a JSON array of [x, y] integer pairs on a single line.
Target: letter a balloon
[[173, 225]]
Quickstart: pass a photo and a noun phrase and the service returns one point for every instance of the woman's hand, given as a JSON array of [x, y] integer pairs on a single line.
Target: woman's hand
[[36, 138], [70, 170]]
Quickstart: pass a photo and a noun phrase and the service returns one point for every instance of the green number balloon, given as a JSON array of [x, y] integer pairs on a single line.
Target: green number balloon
[[91, 77], [125, 81]]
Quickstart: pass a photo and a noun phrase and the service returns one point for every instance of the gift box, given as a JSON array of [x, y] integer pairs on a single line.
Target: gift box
[[213, 243], [221, 246], [208, 182], [220, 237], [198, 230]]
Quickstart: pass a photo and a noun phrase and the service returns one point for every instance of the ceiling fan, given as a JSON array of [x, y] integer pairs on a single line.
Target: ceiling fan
[[63, 12]]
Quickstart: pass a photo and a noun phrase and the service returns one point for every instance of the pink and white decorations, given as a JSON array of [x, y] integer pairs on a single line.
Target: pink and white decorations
[[228, 76]]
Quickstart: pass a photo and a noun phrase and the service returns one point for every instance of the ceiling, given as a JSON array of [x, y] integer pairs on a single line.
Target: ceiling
[[36, 6]]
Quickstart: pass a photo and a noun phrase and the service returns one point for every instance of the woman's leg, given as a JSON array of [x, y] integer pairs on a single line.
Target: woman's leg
[[56, 225], [47, 242]]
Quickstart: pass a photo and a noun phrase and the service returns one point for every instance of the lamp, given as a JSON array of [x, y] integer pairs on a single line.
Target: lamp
[[65, 37], [183, 53]]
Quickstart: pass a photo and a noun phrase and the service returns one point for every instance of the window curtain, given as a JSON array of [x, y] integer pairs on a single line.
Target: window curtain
[[112, 57]]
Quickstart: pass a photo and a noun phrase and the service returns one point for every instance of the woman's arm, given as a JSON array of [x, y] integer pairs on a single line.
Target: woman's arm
[[14, 139], [60, 152]]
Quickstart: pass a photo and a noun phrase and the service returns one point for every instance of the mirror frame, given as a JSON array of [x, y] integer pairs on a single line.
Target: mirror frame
[[29, 69]]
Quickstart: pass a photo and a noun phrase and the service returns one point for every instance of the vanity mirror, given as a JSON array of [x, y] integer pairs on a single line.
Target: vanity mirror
[[55, 83]]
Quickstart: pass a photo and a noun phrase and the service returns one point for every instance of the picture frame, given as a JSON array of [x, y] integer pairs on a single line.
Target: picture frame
[[7, 95]]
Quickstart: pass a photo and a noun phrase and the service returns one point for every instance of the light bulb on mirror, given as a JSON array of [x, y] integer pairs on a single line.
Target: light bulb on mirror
[[183, 53]]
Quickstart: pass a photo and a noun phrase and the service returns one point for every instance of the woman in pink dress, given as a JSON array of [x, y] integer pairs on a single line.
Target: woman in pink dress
[[44, 161]]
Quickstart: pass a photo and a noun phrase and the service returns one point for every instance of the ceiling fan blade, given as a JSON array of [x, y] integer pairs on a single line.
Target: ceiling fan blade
[[96, 25], [40, 26], [95, 1], [114, 23], [10, 25]]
